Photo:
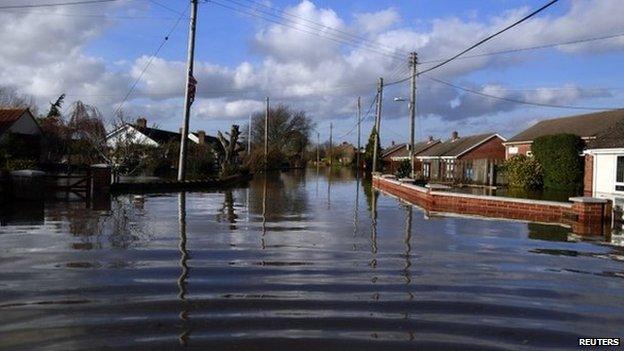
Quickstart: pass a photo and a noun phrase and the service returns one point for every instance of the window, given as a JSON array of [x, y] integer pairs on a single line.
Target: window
[[619, 174], [426, 170]]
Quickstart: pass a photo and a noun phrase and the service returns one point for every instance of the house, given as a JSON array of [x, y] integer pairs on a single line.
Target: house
[[344, 153], [469, 159], [397, 153], [18, 126], [586, 126], [604, 165], [140, 133]]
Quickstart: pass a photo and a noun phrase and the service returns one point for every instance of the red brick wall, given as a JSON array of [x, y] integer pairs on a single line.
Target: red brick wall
[[584, 218], [492, 149], [522, 149], [588, 176]]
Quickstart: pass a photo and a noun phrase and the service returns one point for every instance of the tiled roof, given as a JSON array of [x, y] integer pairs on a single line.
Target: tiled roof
[[9, 116], [400, 150], [588, 125], [456, 147], [608, 139]]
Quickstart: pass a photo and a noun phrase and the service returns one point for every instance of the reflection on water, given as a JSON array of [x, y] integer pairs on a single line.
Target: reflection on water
[[300, 260]]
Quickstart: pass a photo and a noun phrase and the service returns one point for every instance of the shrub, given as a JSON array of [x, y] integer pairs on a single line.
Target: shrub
[[523, 172], [255, 162], [559, 156], [404, 170], [17, 164]]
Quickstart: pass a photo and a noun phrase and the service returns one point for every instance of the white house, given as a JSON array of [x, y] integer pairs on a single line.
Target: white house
[[140, 133], [604, 166], [18, 121]]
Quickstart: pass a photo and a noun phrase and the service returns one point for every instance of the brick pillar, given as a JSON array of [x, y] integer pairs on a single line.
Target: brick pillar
[[592, 214], [100, 178], [588, 176]]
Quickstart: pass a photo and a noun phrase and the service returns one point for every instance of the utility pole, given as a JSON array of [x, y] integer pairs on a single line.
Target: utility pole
[[249, 137], [377, 122], [318, 145], [189, 94], [331, 145], [413, 61], [266, 136], [359, 117]]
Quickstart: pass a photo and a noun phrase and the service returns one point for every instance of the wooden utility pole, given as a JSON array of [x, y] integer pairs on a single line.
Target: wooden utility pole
[[331, 145], [359, 118], [377, 123], [266, 135], [189, 94], [249, 137], [412, 106]]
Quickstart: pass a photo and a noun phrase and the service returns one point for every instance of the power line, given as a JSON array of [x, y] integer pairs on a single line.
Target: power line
[[345, 33], [86, 15], [365, 116], [544, 46], [149, 62], [444, 62], [314, 31], [518, 101], [550, 3], [85, 2]]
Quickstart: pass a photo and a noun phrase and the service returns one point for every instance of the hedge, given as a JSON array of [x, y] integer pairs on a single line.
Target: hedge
[[560, 158]]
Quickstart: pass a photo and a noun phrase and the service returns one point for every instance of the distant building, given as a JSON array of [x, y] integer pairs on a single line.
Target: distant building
[[469, 159], [344, 153], [397, 153], [19, 126], [586, 126]]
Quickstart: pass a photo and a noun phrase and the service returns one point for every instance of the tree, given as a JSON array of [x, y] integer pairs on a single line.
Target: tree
[[9, 97], [369, 151], [229, 151], [559, 156], [288, 133], [86, 133]]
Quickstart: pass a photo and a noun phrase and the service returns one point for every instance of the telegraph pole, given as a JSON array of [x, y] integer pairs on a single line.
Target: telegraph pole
[[331, 146], [413, 62], [266, 136], [187, 94], [249, 137], [359, 117], [377, 122]]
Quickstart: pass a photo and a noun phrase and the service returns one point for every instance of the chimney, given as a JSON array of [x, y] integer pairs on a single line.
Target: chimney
[[454, 136], [430, 140], [141, 122], [201, 137], [392, 142]]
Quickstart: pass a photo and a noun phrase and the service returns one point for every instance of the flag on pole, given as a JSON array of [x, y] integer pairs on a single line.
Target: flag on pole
[[192, 88]]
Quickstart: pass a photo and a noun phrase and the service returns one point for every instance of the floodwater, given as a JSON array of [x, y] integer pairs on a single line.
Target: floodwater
[[297, 261]]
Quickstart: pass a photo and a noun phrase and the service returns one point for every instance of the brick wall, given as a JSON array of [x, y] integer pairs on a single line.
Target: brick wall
[[522, 149], [492, 149], [588, 176], [584, 217]]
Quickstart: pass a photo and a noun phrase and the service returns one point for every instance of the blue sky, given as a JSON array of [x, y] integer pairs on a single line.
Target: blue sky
[[242, 58]]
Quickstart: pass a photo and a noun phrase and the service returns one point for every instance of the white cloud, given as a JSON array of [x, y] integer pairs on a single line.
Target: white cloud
[[375, 22]]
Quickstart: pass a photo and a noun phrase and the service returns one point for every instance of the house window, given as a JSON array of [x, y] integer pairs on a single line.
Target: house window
[[450, 168], [426, 170], [619, 174]]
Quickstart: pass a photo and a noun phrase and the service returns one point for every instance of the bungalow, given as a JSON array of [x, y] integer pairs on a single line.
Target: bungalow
[[586, 126], [20, 123], [469, 159], [140, 133], [397, 153], [604, 165]]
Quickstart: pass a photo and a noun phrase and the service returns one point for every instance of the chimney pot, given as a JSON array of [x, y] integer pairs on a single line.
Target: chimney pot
[[201, 136], [141, 122], [454, 136], [430, 139], [392, 142]]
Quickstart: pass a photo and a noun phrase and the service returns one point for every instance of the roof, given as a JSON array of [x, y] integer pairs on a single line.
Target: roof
[[401, 150], [457, 147], [8, 116], [611, 138], [585, 126], [158, 135]]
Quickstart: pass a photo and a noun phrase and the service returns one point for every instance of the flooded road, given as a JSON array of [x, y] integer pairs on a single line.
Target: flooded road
[[299, 260]]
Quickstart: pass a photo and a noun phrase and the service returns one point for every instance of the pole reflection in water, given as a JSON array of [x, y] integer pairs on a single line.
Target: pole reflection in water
[[355, 212], [408, 245], [184, 273], [329, 181], [264, 198]]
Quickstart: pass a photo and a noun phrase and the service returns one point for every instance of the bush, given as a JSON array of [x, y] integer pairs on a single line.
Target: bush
[[559, 156], [404, 170], [17, 164], [255, 162], [523, 172]]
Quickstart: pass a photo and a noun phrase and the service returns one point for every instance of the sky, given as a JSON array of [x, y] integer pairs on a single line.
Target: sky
[[319, 56]]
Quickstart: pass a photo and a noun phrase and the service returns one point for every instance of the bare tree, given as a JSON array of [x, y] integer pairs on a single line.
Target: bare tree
[[10, 98], [230, 150]]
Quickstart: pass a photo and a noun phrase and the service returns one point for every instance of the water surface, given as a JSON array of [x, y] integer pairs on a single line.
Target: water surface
[[298, 260]]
